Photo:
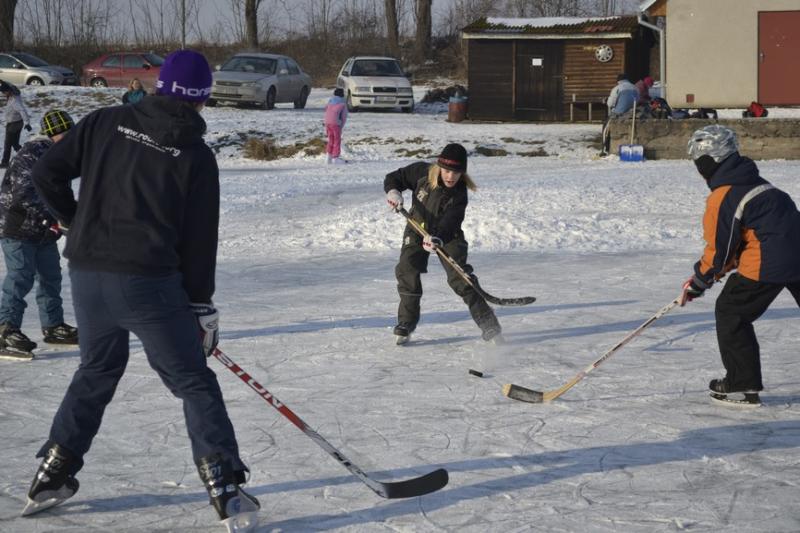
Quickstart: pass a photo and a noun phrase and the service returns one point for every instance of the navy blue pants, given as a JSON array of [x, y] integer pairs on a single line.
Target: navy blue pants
[[25, 263], [110, 306]]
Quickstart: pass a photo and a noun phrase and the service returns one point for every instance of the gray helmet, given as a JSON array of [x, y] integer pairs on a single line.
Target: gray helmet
[[714, 140]]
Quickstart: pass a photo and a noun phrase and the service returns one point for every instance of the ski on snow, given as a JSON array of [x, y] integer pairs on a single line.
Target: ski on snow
[[409, 488]]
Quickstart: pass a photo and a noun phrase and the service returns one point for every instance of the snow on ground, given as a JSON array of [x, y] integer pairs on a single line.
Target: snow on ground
[[306, 291]]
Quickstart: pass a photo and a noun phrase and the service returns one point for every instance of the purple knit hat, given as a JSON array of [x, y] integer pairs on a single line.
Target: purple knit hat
[[185, 75]]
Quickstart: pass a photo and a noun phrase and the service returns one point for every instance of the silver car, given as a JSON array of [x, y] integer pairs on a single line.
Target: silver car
[[20, 68], [260, 79]]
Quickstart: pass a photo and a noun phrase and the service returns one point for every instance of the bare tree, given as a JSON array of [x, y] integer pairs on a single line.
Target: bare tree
[[251, 22], [7, 9], [392, 28], [463, 12], [423, 33]]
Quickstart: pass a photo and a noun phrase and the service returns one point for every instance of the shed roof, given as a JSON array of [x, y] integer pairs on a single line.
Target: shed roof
[[551, 28]]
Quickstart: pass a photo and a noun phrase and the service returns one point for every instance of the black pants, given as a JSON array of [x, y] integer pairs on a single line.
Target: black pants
[[414, 261], [741, 303], [13, 132]]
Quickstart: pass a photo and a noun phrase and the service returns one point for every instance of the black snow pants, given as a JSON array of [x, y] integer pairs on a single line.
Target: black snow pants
[[13, 133], [741, 302], [414, 262]]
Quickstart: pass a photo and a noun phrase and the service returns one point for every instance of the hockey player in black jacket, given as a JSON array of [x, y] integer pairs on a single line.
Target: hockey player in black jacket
[[439, 202], [141, 245]]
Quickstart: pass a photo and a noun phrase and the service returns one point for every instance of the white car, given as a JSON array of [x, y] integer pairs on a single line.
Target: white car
[[373, 82]]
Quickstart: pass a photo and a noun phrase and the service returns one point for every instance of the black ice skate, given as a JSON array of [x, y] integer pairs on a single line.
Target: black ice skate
[[53, 483], [14, 344], [237, 510], [60, 334], [721, 392], [402, 333]]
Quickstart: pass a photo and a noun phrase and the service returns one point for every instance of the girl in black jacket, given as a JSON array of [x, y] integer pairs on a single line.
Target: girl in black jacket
[[438, 205]]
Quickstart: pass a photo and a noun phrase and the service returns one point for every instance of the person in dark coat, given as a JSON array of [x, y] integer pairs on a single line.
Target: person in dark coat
[[29, 247], [142, 244], [752, 227], [439, 193]]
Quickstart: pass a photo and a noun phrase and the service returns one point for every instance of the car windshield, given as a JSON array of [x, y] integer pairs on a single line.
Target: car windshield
[[260, 65], [154, 59], [376, 67], [31, 61]]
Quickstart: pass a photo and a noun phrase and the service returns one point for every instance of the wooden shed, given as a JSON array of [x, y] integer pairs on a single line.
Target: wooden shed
[[551, 69]]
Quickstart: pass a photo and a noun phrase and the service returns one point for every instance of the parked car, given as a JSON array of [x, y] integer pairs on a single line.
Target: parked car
[[20, 68], [260, 79], [119, 68], [373, 82]]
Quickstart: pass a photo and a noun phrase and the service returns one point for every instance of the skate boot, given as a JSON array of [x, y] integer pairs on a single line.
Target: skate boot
[[402, 333], [14, 344], [237, 510], [60, 334], [492, 334], [53, 483], [721, 392]]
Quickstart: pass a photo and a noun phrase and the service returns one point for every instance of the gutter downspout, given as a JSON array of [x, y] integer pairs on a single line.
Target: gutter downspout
[[662, 52]]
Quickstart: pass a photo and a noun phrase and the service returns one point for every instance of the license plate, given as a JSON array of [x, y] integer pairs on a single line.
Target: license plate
[[225, 90], [385, 99]]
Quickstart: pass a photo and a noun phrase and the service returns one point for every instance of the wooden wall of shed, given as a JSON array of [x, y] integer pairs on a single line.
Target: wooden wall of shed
[[490, 79], [588, 79]]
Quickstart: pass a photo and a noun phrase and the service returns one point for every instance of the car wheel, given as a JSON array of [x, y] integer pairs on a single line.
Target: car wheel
[[36, 81], [350, 107], [269, 101], [211, 102], [300, 103], [98, 82]]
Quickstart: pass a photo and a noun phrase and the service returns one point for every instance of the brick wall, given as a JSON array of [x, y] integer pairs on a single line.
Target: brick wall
[[666, 139]]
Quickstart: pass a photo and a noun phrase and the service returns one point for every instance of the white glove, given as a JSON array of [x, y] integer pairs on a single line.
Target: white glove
[[395, 199], [208, 320], [431, 243]]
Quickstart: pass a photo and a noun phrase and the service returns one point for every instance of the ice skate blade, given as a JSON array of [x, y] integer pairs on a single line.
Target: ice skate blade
[[9, 355], [402, 339], [51, 499], [750, 400], [241, 523]]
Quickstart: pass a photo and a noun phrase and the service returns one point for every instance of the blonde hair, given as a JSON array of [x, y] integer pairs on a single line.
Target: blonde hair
[[433, 178]]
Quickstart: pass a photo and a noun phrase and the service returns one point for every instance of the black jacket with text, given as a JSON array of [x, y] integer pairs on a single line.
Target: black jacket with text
[[148, 201]]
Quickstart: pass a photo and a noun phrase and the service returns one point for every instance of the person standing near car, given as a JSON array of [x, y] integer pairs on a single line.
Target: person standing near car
[[135, 92], [142, 248], [335, 119], [17, 117], [30, 249]]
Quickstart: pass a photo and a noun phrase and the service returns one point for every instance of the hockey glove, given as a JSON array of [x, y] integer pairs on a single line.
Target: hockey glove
[[431, 243], [208, 320], [395, 199], [28, 127], [691, 290]]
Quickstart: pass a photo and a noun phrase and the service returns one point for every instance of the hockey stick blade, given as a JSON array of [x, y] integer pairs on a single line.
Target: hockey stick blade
[[515, 392], [408, 488], [471, 279]]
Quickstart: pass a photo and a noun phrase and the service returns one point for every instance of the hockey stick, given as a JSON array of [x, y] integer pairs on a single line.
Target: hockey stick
[[516, 392], [409, 488], [471, 279]]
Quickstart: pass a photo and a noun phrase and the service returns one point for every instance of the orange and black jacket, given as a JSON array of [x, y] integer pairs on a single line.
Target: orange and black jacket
[[749, 225]]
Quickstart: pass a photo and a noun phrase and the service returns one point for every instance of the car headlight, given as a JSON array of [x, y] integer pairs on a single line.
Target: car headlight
[[362, 89], [249, 84], [405, 90]]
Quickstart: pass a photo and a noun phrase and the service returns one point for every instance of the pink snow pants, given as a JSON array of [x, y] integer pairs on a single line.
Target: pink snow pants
[[334, 139]]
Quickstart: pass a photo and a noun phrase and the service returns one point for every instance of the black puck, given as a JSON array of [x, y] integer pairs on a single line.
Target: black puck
[[476, 373]]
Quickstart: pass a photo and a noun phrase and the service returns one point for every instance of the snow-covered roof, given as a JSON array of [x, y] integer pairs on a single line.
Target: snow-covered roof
[[543, 22], [644, 6]]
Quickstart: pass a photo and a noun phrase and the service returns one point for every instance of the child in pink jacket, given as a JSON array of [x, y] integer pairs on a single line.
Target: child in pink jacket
[[335, 118]]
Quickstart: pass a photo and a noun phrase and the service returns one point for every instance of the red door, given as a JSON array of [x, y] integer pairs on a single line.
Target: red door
[[779, 57]]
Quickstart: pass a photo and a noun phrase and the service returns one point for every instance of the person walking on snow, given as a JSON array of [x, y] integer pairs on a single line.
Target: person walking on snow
[[29, 247], [439, 201], [335, 119], [142, 249], [16, 116], [754, 228]]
